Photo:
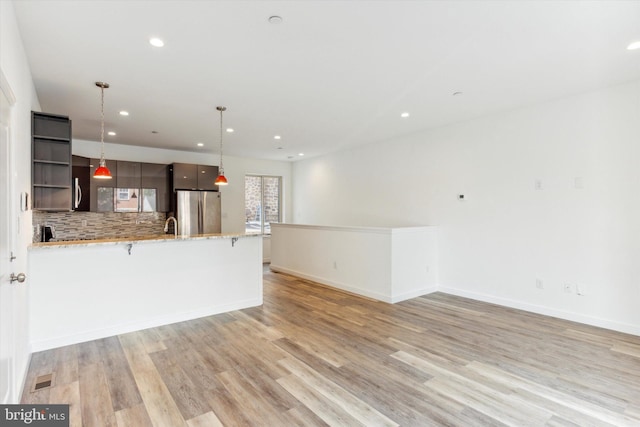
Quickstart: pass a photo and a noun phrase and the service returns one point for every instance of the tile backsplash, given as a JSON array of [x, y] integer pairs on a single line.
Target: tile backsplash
[[98, 225]]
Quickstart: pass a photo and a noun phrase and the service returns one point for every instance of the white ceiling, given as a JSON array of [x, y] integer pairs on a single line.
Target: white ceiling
[[332, 75]]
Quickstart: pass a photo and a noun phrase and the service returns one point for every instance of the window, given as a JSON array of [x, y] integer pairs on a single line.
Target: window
[[261, 203], [126, 199], [123, 194]]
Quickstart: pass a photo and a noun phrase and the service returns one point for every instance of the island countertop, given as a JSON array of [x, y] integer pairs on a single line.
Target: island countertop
[[137, 239]]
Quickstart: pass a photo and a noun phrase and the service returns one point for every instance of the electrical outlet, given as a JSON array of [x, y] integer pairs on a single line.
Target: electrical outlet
[[567, 288], [84, 222], [539, 284], [537, 184], [580, 290]]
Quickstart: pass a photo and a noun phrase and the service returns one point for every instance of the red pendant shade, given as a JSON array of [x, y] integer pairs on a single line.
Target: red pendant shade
[[221, 180], [102, 173]]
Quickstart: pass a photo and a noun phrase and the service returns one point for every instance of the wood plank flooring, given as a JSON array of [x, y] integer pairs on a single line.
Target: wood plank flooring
[[313, 356]]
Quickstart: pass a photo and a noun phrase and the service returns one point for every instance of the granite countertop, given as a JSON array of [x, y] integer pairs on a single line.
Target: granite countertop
[[138, 239]]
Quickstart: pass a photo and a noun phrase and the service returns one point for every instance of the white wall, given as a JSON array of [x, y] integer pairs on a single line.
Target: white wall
[[14, 66], [235, 169], [582, 227]]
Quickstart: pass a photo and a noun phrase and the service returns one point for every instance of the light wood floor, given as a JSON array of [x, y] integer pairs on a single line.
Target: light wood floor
[[314, 356]]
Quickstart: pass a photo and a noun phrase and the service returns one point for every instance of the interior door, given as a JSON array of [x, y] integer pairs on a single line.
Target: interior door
[[7, 346]]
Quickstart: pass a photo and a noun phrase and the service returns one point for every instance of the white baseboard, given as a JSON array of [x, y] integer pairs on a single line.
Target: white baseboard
[[364, 292], [138, 326], [538, 309], [337, 285], [414, 294], [505, 302]]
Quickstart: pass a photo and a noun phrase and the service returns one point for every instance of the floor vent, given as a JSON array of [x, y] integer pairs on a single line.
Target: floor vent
[[43, 381]]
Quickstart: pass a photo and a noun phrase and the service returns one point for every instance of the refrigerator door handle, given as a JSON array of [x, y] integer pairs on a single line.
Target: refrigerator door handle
[[78, 194], [200, 215]]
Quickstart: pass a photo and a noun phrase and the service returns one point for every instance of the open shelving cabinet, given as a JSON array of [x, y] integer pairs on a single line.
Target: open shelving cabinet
[[51, 167]]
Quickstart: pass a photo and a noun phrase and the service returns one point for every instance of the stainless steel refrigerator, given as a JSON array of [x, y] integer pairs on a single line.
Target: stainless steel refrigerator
[[198, 212]]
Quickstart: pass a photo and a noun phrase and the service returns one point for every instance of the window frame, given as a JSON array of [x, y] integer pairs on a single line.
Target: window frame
[[121, 194], [262, 195]]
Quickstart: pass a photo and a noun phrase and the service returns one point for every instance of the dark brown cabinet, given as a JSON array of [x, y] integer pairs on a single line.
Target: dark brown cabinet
[[194, 177], [148, 182], [155, 176], [51, 162], [185, 176], [128, 175], [207, 177]]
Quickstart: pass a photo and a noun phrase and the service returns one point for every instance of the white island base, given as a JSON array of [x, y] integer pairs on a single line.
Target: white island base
[[387, 264], [88, 290]]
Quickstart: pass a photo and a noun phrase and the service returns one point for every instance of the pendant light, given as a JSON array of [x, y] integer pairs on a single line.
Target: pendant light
[[221, 179], [102, 172]]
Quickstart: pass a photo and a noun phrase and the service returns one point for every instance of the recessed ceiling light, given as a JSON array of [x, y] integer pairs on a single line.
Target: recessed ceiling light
[[154, 131], [112, 133], [230, 130], [457, 93], [300, 154], [275, 19], [280, 148], [200, 144], [634, 45], [404, 115], [154, 41], [277, 137], [124, 113]]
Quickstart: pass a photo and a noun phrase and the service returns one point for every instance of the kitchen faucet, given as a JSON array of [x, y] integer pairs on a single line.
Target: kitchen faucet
[[175, 225]]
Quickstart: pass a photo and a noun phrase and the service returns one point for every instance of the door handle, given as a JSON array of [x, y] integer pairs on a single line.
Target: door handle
[[78, 194], [20, 278]]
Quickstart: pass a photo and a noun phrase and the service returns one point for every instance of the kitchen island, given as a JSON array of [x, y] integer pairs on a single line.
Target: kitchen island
[[390, 264], [89, 289]]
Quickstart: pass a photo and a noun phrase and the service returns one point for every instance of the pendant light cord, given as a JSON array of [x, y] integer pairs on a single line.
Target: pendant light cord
[[221, 166], [102, 123]]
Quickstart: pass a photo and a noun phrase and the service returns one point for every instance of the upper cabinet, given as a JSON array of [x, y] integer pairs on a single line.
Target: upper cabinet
[[135, 186], [207, 177], [128, 175], [51, 165], [194, 177], [185, 176], [155, 176]]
